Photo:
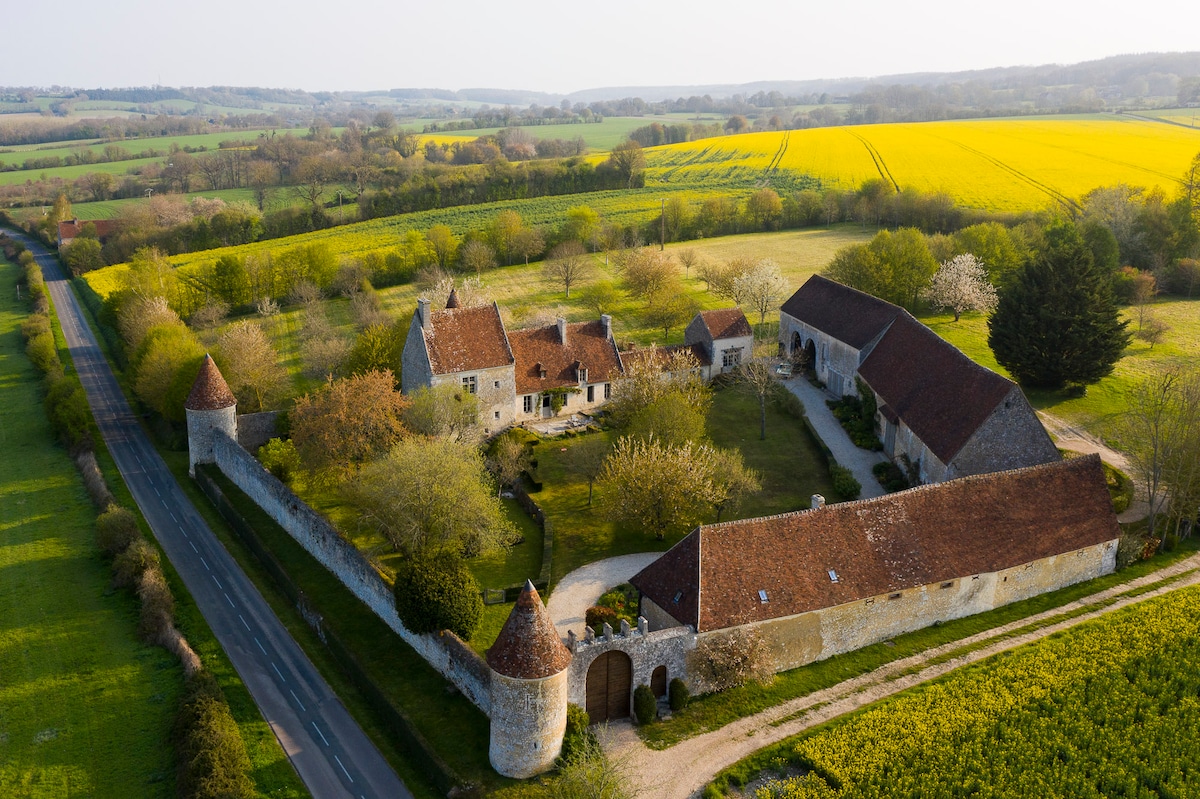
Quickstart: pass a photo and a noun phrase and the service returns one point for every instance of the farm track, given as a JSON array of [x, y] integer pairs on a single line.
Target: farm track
[[1050, 191], [877, 157], [683, 770], [772, 167]]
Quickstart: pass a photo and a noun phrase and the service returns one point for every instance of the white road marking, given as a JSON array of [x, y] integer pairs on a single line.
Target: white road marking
[[194, 547], [318, 729], [156, 491], [277, 671], [298, 702], [218, 582], [174, 519], [247, 626], [347, 773], [202, 560], [230, 601], [260, 646]]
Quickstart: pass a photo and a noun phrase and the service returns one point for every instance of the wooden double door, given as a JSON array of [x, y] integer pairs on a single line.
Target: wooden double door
[[609, 680]]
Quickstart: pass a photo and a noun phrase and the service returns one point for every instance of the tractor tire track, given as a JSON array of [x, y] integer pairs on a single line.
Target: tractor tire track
[[880, 166], [667, 174], [776, 160], [1050, 191]]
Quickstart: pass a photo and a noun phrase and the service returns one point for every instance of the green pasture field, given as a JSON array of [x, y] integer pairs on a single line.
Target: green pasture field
[[211, 141], [85, 708], [1099, 410], [70, 173]]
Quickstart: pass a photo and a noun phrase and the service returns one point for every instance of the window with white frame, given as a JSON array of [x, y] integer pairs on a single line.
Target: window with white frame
[[731, 357], [527, 403], [470, 384]]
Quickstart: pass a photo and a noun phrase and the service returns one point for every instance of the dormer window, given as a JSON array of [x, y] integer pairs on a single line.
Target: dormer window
[[541, 370]]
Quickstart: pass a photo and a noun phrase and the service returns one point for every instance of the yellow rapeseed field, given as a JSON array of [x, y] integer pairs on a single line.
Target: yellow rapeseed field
[[1002, 164]]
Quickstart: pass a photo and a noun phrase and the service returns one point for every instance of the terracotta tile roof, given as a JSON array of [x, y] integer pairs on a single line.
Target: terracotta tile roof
[[528, 646], [72, 228], [209, 392], [462, 339], [726, 323], [587, 345], [660, 354], [941, 394], [929, 534], [846, 314]]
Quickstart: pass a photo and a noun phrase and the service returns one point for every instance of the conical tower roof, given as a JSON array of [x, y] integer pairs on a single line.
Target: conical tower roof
[[452, 300], [528, 647], [210, 392]]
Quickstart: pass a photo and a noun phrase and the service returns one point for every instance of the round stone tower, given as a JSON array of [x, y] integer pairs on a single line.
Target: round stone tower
[[529, 690], [210, 406]]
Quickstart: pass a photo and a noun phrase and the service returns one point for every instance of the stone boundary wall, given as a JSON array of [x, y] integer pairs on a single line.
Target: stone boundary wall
[[256, 429], [452, 658]]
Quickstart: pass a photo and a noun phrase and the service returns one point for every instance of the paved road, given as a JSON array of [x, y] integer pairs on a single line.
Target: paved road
[[328, 749], [858, 460]]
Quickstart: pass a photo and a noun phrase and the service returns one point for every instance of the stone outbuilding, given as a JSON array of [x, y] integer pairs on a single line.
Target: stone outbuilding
[[210, 406], [833, 579], [719, 340], [938, 412], [529, 690]]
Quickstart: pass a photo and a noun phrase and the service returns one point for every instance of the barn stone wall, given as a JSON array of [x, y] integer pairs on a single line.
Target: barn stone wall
[[837, 362], [816, 635], [1010, 438], [446, 653], [646, 650]]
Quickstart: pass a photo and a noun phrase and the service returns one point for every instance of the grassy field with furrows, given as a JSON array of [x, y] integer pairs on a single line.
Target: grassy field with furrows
[[1107, 709], [995, 164], [85, 708]]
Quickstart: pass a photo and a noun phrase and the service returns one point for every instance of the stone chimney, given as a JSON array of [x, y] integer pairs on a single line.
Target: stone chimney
[[818, 501], [562, 331], [606, 323], [423, 312]]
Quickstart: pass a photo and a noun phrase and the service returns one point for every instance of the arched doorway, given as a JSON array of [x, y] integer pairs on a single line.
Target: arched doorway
[[810, 357], [796, 347], [658, 682], [608, 681]]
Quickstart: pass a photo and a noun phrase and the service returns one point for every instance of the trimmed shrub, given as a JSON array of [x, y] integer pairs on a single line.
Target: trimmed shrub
[[679, 694], [1130, 549], [789, 403], [129, 566], [890, 476], [844, 483], [209, 748], [116, 529], [577, 734], [597, 616], [93, 480], [438, 593], [645, 706], [44, 354], [156, 619]]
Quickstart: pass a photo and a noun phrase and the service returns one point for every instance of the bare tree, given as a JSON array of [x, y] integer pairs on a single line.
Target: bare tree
[[756, 377], [688, 258], [509, 458], [251, 367], [646, 273], [476, 255], [585, 459], [568, 264]]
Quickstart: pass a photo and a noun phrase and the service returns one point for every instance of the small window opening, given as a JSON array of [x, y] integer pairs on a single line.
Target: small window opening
[[894, 596], [869, 601], [949, 584]]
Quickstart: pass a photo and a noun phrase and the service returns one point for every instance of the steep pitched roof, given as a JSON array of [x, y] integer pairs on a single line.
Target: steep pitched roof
[[528, 646], [925, 535], [209, 392], [659, 355], [726, 323], [588, 345], [941, 394], [462, 339], [846, 314], [73, 228]]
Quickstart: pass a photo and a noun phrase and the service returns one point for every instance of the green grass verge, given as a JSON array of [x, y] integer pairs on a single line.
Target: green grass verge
[[713, 711], [85, 708]]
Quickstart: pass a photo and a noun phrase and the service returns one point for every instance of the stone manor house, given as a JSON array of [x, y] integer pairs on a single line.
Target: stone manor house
[[812, 583], [517, 375]]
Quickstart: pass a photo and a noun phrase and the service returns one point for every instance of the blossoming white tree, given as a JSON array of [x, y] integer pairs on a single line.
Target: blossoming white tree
[[961, 284]]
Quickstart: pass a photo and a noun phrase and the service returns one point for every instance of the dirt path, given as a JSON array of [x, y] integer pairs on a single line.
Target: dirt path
[[1076, 439], [684, 769]]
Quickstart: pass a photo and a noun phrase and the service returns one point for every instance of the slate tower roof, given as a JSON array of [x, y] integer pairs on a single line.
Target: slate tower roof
[[528, 647]]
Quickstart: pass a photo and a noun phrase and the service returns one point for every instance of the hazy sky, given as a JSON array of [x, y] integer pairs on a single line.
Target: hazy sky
[[559, 47]]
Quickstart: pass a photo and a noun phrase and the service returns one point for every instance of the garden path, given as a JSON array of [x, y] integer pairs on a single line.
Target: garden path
[[684, 769], [857, 460], [580, 589]]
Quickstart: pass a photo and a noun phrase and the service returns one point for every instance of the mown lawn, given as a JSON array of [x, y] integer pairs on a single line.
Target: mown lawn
[[85, 708]]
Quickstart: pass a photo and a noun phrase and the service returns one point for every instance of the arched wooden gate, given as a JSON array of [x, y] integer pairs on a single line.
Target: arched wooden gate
[[608, 682]]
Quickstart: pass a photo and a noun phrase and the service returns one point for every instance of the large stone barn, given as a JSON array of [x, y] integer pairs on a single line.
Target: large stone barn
[[836, 578], [939, 412]]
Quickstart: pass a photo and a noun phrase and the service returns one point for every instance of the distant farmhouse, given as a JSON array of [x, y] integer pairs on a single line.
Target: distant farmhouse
[[939, 410], [531, 374], [71, 229]]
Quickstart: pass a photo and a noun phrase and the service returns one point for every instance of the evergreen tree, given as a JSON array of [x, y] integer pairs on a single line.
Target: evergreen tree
[[1057, 322]]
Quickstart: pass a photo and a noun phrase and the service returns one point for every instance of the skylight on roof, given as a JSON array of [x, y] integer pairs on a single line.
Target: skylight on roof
[[678, 596], [833, 578], [762, 596]]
